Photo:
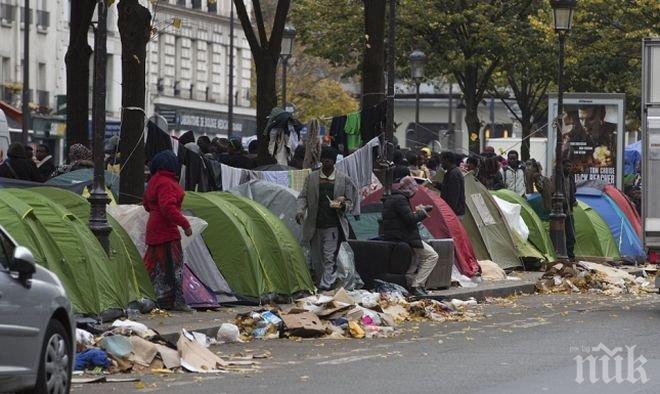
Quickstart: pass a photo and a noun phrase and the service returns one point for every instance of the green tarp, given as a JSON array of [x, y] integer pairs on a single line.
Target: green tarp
[[255, 252], [538, 235], [63, 243], [592, 235], [483, 220]]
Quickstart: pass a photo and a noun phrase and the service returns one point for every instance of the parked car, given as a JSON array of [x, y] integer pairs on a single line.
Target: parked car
[[37, 330]]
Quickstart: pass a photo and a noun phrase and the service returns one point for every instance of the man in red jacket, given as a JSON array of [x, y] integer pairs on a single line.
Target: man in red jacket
[[164, 256]]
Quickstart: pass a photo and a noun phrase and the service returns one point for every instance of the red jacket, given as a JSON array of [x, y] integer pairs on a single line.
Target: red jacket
[[163, 199]]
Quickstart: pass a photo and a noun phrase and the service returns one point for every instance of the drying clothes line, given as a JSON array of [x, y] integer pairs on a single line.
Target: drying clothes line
[[232, 177]]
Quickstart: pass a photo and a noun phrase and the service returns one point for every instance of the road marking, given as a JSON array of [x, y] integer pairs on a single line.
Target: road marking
[[346, 360]]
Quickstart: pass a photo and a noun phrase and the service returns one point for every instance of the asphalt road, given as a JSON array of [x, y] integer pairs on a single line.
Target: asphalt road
[[528, 346]]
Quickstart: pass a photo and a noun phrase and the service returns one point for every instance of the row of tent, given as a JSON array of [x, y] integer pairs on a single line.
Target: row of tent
[[251, 245], [246, 251]]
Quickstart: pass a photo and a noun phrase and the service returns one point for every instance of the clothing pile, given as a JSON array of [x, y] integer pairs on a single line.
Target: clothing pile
[[587, 277], [349, 314]]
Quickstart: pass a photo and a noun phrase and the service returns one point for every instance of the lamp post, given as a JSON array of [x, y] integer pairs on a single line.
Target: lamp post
[[417, 63], [288, 37], [230, 102], [562, 11], [389, 118], [98, 199]]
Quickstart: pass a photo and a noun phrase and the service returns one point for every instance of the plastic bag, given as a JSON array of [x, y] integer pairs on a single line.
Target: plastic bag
[[228, 333], [386, 287], [347, 276]]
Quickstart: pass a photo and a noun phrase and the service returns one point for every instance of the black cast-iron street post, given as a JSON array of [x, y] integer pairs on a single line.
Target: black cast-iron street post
[[98, 199], [563, 19], [389, 126]]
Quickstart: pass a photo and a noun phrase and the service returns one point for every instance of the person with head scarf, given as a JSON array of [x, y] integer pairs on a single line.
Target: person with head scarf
[[80, 157], [400, 225], [327, 195], [164, 257], [18, 166]]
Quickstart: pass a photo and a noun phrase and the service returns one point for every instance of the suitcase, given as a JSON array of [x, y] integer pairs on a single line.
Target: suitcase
[[440, 278]]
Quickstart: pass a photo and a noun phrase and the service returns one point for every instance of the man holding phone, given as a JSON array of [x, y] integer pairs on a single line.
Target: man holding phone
[[400, 225]]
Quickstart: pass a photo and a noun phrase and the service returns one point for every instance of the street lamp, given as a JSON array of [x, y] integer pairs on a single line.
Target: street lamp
[[417, 63], [98, 199], [562, 11], [288, 37]]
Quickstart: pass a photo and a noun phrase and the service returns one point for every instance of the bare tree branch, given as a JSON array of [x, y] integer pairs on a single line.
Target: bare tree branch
[[243, 16], [261, 27]]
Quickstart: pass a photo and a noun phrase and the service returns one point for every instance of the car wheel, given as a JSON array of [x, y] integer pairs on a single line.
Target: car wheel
[[54, 375]]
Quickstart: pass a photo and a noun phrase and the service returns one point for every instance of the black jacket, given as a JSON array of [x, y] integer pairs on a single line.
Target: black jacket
[[20, 168], [399, 220], [453, 190], [47, 169]]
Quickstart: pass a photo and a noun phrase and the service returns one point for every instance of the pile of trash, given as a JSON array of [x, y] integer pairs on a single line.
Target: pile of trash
[[592, 278], [129, 346], [343, 314]]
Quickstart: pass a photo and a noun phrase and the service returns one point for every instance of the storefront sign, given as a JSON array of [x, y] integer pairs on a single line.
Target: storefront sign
[[206, 122]]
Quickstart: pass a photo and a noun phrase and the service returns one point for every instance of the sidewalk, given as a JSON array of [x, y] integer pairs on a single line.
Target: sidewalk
[[169, 326]]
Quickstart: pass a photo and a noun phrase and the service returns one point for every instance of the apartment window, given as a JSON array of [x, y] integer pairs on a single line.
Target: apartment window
[[23, 15], [181, 2], [213, 6], [43, 19], [197, 4], [5, 72], [43, 98], [7, 12]]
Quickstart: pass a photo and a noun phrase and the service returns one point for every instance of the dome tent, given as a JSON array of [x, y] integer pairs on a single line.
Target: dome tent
[[63, 243], [273, 265]]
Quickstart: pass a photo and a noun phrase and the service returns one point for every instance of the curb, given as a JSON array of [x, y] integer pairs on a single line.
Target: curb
[[481, 294], [496, 290]]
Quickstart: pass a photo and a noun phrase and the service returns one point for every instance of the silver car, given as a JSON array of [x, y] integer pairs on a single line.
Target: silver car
[[36, 324]]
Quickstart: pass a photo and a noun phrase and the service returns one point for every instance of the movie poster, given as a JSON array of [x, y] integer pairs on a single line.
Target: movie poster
[[592, 135], [589, 139]]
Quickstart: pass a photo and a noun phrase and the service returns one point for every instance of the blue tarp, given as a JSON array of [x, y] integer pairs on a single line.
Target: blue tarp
[[624, 235], [632, 158]]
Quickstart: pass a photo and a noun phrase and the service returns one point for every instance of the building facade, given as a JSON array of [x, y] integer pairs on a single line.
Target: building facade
[[187, 65]]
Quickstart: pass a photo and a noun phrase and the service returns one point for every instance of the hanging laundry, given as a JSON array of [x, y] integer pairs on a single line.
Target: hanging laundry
[[359, 164], [352, 130], [338, 134], [373, 121], [232, 177]]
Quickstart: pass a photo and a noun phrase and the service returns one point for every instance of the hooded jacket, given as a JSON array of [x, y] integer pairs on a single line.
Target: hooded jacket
[[163, 199]]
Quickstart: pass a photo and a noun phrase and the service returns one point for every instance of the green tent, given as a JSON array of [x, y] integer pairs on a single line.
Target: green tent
[[593, 237], [538, 235], [254, 250], [63, 243], [490, 235], [124, 256]]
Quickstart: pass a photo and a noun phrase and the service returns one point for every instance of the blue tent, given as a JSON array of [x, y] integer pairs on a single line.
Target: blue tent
[[624, 235], [632, 157]]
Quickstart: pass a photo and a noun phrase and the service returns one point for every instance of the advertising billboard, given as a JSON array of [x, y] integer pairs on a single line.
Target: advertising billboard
[[592, 135]]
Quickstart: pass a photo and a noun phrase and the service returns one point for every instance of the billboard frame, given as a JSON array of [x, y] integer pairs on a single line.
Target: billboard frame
[[650, 225], [617, 99]]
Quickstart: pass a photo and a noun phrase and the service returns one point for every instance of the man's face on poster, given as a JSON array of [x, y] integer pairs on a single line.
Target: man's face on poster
[[587, 117]]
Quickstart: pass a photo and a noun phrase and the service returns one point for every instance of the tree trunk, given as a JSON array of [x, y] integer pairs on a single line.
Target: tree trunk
[[265, 69], [77, 73], [373, 64], [134, 28], [527, 127]]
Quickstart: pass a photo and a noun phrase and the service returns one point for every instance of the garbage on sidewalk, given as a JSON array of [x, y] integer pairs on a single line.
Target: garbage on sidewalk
[[591, 277], [128, 346], [349, 314]]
